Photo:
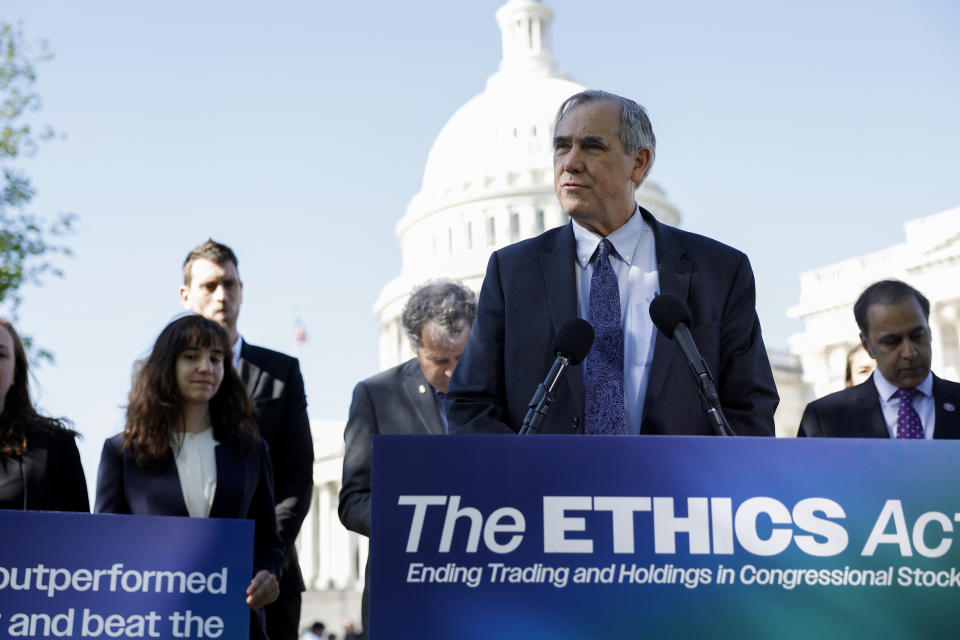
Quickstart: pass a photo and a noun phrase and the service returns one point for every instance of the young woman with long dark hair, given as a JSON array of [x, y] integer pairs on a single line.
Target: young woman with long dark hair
[[39, 463], [190, 447]]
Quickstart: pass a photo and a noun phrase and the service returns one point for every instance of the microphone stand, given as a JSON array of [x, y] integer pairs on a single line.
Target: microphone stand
[[710, 403], [707, 388], [543, 398]]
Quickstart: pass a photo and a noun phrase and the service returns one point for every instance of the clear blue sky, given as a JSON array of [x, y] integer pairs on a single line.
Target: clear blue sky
[[801, 133]]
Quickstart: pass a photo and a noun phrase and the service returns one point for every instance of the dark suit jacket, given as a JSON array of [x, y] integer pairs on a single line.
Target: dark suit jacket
[[856, 413], [244, 490], [530, 291], [275, 385], [52, 475], [389, 402]]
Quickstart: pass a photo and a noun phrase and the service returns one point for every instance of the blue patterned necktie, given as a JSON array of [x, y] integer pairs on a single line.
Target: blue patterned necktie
[[439, 396], [908, 420], [604, 408]]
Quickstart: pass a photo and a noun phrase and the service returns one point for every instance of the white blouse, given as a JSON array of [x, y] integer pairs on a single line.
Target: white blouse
[[197, 468]]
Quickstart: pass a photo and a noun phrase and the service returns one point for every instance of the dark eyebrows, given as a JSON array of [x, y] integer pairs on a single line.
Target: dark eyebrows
[[199, 348], [916, 332], [212, 283], [597, 140], [585, 140]]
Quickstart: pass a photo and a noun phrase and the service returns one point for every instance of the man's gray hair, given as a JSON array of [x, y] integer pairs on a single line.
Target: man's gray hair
[[449, 305], [635, 131]]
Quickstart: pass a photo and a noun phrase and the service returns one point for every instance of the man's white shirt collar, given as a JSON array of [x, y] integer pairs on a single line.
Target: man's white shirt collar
[[624, 240], [887, 389]]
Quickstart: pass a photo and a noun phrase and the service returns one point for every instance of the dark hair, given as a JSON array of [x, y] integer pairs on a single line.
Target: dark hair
[[19, 418], [886, 292], [635, 130], [211, 250], [448, 304], [154, 410], [848, 372]]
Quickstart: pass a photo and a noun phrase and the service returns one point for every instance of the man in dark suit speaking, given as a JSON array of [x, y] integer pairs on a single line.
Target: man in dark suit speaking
[[405, 399], [606, 266], [212, 288], [902, 399]]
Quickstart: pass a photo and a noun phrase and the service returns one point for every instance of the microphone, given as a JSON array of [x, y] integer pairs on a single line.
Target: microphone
[[672, 318], [571, 346]]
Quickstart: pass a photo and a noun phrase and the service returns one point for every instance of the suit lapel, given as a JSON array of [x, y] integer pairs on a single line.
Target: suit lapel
[[229, 481], [946, 398], [168, 480], [867, 404], [249, 373], [557, 265], [673, 271], [421, 397], [33, 465]]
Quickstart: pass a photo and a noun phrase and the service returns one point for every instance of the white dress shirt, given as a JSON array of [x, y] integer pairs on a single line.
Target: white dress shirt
[[196, 461], [922, 402], [634, 260]]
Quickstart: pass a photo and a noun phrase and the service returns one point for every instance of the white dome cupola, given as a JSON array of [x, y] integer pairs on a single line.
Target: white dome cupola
[[525, 26]]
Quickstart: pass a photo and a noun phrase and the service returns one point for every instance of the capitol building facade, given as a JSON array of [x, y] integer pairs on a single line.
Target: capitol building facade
[[471, 204], [928, 259]]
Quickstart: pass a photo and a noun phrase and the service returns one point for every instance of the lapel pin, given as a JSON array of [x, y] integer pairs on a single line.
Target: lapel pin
[[949, 406], [423, 389]]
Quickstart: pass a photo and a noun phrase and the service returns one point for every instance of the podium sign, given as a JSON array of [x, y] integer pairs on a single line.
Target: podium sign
[[629, 537]]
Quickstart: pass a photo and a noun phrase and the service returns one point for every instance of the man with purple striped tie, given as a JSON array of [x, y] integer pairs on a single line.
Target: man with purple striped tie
[[902, 399]]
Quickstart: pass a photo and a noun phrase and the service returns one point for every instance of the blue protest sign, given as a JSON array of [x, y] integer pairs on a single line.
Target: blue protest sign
[[68, 575]]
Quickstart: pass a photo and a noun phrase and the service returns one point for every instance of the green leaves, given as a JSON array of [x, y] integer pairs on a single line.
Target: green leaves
[[28, 243]]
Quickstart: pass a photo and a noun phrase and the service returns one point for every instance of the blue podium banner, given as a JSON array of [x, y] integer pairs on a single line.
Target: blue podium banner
[[656, 537], [69, 575]]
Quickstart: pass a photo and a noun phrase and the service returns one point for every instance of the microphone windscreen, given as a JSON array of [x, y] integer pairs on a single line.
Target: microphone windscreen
[[667, 311], [574, 340]]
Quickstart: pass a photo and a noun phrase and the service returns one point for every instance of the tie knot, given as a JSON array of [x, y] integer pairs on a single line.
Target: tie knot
[[905, 395], [603, 251]]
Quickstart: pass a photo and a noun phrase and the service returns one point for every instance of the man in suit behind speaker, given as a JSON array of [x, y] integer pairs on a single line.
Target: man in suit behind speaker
[[212, 288], [606, 266], [903, 399], [405, 399]]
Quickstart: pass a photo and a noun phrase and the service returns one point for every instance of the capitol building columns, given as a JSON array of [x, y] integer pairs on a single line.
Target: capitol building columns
[[945, 326], [330, 556], [487, 183], [928, 259]]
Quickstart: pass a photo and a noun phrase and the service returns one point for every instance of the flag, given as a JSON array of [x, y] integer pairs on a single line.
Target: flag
[[299, 332]]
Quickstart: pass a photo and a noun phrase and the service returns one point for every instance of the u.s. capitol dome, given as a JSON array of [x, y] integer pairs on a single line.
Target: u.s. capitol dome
[[488, 180]]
